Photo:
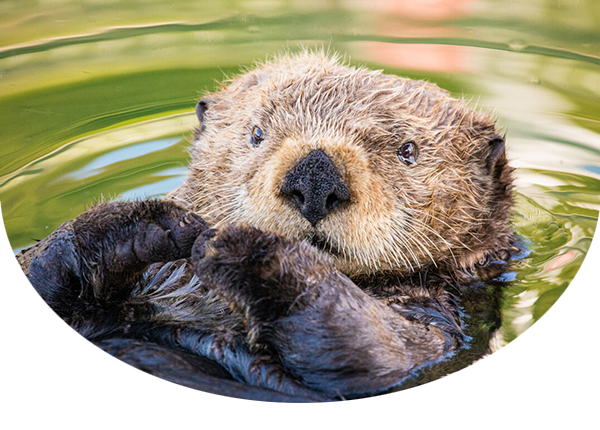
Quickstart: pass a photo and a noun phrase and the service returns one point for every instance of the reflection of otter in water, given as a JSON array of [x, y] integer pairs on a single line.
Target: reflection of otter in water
[[353, 216]]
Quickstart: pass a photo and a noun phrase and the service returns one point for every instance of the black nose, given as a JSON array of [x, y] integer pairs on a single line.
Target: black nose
[[315, 186]]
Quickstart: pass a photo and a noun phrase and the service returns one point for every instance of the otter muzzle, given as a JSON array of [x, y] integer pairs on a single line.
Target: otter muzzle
[[315, 186]]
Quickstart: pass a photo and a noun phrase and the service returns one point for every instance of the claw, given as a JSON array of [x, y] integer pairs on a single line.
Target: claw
[[181, 224], [187, 220]]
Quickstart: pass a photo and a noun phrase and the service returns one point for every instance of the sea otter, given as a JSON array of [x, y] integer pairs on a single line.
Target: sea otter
[[337, 228]]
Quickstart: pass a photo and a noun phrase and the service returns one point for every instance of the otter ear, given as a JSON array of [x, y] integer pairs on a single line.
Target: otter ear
[[201, 108], [497, 153]]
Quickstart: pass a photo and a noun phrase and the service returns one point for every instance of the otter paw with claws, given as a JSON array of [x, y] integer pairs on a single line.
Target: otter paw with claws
[[132, 234], [262, 275], [171, 237]]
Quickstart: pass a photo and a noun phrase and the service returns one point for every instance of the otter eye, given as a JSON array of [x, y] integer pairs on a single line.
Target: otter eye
[[408, 153], [257, 136]]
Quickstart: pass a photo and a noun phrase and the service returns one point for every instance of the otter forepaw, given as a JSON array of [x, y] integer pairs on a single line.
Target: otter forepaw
[[181, 230], [157, 240], [259, 273], [124, 237]]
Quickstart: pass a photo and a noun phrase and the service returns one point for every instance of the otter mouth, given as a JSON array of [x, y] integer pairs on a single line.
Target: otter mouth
[[320, 241]]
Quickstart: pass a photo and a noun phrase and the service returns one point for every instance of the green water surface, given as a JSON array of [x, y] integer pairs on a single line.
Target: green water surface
[[97, 98]]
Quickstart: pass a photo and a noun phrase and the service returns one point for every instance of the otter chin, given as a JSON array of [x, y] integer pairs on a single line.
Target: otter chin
[[386, 173]]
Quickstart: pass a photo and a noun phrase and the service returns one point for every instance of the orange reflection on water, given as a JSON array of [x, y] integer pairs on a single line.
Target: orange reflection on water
[[420, 9], [405, 19], [431, 58], [561, 260]]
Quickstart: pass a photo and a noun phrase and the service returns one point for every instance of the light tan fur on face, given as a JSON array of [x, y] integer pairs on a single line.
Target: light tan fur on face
[[345, 230], [445, 210]]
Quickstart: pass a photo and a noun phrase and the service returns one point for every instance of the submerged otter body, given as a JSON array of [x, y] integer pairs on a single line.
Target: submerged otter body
[[336, 228]]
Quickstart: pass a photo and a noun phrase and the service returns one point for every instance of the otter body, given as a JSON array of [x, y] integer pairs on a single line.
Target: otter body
[[336, 228]]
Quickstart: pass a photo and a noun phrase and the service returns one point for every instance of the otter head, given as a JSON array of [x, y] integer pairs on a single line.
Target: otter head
[[384, 173]]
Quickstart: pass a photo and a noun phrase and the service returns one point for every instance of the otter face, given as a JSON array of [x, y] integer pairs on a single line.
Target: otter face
[[384, 173]]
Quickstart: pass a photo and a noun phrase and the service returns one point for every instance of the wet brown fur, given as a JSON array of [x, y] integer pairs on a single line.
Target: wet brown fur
[[225, 286]]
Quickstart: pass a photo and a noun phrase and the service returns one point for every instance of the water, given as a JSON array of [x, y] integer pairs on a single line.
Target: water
[[97, 97]]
